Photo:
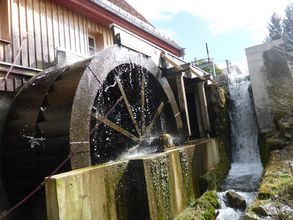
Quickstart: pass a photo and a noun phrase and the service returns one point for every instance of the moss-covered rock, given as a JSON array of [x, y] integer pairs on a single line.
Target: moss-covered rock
[[204, 208], [235, 200], [275, 196]]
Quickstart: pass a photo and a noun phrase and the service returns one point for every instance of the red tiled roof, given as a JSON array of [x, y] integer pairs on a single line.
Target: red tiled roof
[[128, 8]]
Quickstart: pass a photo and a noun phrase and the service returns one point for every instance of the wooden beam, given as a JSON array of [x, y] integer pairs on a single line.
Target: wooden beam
[[193, 70], [128, 105], [198, 111], [204, 107], [115, 127], [158, 112], [183, 106], [142, 103]]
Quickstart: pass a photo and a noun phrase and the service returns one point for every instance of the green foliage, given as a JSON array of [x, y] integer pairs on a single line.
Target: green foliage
[[275, 28], [209, 69], [203, 209]]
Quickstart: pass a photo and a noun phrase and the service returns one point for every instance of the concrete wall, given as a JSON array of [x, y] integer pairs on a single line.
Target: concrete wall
[[158, 186], [258, 79]]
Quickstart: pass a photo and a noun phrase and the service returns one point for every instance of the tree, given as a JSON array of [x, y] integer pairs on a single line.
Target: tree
[[288, 21], [275, 28], [288, 30]]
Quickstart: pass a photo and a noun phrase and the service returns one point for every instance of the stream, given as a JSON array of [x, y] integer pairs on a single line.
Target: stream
[[246, 167]]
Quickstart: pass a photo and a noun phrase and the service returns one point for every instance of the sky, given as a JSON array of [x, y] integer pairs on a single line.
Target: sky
[[227, 26]]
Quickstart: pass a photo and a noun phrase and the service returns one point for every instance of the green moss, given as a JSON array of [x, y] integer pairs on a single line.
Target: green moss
[[276, 188], [277, 177], [203, 209], [214, 179]]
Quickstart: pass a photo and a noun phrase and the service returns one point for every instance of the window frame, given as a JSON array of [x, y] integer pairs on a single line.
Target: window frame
[[94, 47]]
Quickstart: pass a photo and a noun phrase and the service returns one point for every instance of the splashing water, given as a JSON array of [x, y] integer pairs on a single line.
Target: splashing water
[[246, 167]]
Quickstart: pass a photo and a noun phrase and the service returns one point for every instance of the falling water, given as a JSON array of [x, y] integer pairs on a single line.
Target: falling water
[[246, 167]]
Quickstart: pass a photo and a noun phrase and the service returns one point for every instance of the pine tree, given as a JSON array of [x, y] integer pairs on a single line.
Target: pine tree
[[275, 28], [288, 30]]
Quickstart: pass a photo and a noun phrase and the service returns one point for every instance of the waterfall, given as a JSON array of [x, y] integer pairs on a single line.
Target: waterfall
[[246, 167]]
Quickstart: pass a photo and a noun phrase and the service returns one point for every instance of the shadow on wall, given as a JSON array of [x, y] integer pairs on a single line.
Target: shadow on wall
[[279, 82]]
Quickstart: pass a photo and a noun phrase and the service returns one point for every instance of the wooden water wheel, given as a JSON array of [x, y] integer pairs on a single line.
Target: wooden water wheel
[[97, 109]]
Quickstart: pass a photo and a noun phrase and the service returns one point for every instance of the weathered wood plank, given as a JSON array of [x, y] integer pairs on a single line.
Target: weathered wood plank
[[183, 101], [71, 31], [82, 35], [44, 41], [8, 30], [76, 32], [15, 30], [198, 112], [61, 26], [30, 35], [204, 107], [50, 33], [23, 32], [37, 34]]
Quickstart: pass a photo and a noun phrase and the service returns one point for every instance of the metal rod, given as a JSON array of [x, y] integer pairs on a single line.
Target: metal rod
[[116, 127], [128, 105], [159, 111], [142, 104]]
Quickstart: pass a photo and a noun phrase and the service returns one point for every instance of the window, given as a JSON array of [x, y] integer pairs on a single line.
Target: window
[[92, 45], [95, 42], [4, 21]]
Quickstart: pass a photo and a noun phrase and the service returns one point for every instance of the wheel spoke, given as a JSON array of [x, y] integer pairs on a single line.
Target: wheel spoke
[[108, 113], [142, 104], [151, 125], [127, 105], [115, 127]]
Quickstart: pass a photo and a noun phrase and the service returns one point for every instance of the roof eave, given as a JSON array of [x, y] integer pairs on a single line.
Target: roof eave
[[102, 13]]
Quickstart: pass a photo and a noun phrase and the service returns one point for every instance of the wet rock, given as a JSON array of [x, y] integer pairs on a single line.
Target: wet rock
[[286, 126], [259, 210], [166, 143], [235, 200], [251, 216]]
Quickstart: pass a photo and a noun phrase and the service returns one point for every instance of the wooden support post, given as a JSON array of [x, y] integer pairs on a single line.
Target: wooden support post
[[198, 112], [204, 108], [182, 101]]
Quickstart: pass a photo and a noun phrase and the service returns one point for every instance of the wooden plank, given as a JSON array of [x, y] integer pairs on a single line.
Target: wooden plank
[[157, 114], [68, 195], [37, 34], [55, 27], [183, 106], [50, 33], [15, 31], [76, 32], [204, 107], [61, 26], [23, 33], [115, 127], [142, 103], [8, 48], [71, 31], [82, 35], [4, 28], [44, 41], [1, 52], [198, 112], [66, 29], [128, 106], [30, 35]]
